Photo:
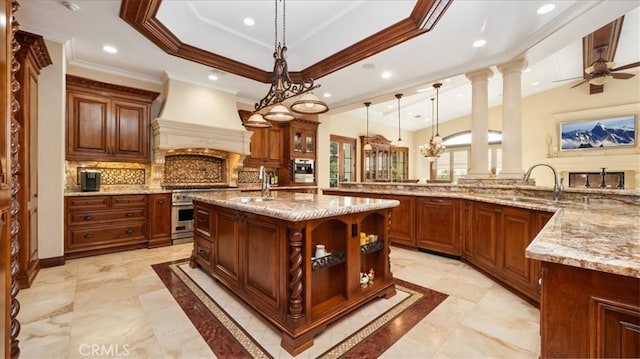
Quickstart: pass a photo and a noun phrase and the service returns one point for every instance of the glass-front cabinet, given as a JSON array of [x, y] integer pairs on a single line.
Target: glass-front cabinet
[[399, 163], [376, 163], [342, 160], [303, 137]]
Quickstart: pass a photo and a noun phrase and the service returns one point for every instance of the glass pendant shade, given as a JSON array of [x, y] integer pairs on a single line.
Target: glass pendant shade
[[367, 146], [279, 113], [256, 120], [437, 139], [309, 104]]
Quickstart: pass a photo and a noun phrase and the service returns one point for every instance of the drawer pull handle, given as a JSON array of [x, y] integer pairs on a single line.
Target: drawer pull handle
[[200, 220], [129, 231], [88, 218], [88, 236], [497, 210], [161, 201], [202, 251], [129, 214], [436, 200]]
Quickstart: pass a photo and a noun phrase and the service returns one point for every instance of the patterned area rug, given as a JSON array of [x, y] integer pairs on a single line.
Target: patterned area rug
[[232, 329]]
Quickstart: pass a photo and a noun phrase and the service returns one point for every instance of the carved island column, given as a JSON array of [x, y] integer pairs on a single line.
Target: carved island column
[[295, 273]]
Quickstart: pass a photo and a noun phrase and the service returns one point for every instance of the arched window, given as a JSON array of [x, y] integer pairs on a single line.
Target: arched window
[[454, 162]]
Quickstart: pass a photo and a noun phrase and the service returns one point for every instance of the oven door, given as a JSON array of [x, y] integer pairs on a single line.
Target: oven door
[[181, 221]]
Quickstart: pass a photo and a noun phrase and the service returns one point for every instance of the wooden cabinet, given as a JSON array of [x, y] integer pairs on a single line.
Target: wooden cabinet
[[399, 163], [101, 224], [495, 241], [588, 314], [301, 139], [266, 144], [438, 225], [106, 122], [375, 165], [226, 239], [33, 56], [159, 220]]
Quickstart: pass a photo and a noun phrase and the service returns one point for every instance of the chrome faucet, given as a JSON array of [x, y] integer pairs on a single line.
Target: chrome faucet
[[557, 183], [265, 182]]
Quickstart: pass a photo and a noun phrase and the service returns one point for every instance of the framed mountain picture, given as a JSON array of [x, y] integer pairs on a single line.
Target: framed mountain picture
[[598, 133]]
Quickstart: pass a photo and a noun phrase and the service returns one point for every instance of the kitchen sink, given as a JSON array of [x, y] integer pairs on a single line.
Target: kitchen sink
[[253, 199]]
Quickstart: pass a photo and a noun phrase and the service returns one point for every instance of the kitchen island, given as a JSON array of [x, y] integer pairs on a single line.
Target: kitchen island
[[264, 251]]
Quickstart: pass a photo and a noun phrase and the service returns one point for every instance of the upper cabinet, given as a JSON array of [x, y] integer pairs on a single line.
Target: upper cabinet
[[266, 145], [302, 139], [107, 122], [384, 162]]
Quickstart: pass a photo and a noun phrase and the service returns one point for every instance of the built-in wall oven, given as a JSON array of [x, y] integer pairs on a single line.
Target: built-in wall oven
[[181, 216]]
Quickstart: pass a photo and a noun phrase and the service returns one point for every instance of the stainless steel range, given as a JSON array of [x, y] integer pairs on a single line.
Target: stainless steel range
[[181, 216]]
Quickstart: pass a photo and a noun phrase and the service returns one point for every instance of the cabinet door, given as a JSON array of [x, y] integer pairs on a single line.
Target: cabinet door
[[486, 223], [438, 221], [309, 142], [516, 235], [256, 146], [130, 131], [159, 220], [402, 227], [87, 127], [264, 248], [467, 235], [226, 262], [273, 146]]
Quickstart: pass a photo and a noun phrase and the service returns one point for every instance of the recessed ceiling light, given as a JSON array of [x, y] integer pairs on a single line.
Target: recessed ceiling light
[[528, 69], [545, 8], [479, 43], [423, 89], [249, 21], [326, 95], [386, 75], [459, 94], [212, 77], [390, 106], [368, 66], [110, 49], [535, 83]]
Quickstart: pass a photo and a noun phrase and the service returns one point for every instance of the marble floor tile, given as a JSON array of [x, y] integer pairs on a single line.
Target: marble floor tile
[[117, 299]]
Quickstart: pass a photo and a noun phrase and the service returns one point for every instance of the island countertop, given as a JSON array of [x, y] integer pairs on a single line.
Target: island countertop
[[603, 235], [293, 207]]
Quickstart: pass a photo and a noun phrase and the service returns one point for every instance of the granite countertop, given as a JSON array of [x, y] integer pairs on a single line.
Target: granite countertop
[[294, 207], [603, 235]]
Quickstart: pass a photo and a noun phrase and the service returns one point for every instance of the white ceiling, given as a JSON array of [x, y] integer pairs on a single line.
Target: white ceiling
[[316, 29]]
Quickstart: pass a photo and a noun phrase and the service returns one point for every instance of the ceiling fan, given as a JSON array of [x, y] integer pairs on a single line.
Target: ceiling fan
[[602, 70]]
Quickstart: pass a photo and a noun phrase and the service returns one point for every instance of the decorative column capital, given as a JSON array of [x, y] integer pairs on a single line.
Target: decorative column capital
[[513, 66], [479, 75]]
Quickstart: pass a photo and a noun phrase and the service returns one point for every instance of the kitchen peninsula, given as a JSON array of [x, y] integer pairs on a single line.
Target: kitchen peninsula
[[579, 257], [263, 249]]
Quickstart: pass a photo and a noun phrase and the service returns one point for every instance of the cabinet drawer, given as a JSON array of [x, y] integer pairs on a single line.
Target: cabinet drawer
[[203, 251], [87, 202], [99, 235], [90, 217], [202, 221], [129, 201]]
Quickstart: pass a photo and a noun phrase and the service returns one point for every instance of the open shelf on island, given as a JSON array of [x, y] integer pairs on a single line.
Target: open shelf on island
[[328, 260], [371, 247]]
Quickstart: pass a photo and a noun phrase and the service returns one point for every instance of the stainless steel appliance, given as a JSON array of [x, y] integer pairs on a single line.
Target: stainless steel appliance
[[181, 216], [303, 170], [89, 180]]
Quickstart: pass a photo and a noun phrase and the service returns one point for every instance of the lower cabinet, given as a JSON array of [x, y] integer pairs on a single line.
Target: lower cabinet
[[159, 220], [438, 225], [588, 314], [496, 238], [102, 224]]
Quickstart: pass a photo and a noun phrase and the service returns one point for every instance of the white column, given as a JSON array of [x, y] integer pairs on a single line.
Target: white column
[[512, 118], [479, 163]]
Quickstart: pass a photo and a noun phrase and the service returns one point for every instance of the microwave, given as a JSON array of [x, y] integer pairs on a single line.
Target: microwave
[[303, 170]]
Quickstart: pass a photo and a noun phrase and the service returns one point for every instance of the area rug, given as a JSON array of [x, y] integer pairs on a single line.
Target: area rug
[[233, 330]]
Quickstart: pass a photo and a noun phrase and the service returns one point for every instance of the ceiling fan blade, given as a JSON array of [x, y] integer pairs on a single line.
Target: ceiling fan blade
[[622, 75], [579, 83], [628, 66], [571, 78]]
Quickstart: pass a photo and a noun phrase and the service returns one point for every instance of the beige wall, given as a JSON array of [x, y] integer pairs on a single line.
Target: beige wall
[[51, 147]]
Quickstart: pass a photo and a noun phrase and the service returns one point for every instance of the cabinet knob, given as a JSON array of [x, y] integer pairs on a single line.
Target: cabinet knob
[[540, 281], [88, 218], [129, 231], [161, 201], [88, 236], [129, 214], [497, 210], [201, 251]]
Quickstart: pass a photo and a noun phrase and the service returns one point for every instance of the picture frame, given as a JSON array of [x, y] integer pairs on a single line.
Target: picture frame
[[599, 133]]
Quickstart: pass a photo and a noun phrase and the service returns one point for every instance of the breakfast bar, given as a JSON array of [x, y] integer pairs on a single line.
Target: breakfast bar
[[297, 259]]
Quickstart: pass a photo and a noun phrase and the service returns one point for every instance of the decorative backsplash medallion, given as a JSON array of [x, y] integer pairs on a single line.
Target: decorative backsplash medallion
[[194, 169]]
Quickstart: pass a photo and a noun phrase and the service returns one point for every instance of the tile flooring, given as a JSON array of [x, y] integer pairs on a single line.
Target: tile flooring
[[119, 301]]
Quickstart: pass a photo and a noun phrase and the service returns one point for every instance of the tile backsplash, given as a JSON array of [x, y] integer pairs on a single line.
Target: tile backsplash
[[112, 173]]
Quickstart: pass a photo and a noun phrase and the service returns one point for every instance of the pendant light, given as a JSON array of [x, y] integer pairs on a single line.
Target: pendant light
[[399, 143], [437, 139], [257, 121], [367, 146]]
